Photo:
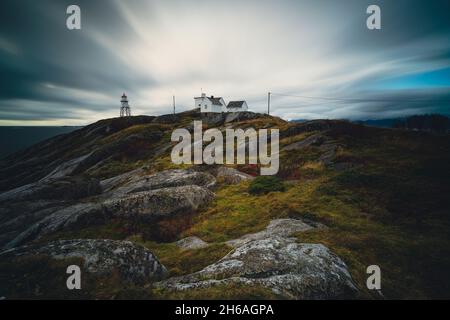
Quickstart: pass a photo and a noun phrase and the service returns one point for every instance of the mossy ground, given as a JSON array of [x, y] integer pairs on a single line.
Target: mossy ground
[[391, 210], [221, 292], [390, 207], [180, 261]]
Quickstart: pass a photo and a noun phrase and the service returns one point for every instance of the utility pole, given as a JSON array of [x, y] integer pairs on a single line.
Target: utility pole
[[268, 103], [173, 104]]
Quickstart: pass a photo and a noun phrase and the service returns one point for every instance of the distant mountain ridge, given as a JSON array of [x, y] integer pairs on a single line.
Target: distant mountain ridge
[[381, 123], [428, 122]]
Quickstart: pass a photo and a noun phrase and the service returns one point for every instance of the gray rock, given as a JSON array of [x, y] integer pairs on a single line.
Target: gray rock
[[218, 119], [117, 181], [68, 188], [159, 202], [56, 221], [213, 119], [232, 176], [277, 227], [173, 178], [242, 116], [134, 263], [329, 153], [140, 205], [132, 194], [135, 181], [66, 168], [18, 216], [191, 243], [292, 270]]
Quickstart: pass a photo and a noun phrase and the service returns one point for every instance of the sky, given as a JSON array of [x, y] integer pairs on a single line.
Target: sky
[[317, 57]]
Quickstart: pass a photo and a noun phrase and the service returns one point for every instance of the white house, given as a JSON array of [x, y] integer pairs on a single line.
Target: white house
[[210, 104], [217, 104]]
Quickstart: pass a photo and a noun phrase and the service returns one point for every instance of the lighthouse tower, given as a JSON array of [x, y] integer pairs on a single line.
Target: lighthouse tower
[[125, 108]]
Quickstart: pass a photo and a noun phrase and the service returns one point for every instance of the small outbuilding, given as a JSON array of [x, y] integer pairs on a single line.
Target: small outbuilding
[[237, 106]]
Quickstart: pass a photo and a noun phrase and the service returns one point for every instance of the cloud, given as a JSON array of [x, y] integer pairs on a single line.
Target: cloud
[[238, 49]]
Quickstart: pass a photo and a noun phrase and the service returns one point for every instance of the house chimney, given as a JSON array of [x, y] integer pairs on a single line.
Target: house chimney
[[203, 95], [212, 97]]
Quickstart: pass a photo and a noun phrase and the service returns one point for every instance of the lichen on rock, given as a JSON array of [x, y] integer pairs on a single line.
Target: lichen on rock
[[134, 263], [292, 270]]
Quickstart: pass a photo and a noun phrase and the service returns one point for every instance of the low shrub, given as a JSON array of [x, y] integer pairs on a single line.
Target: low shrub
[[266, 184]]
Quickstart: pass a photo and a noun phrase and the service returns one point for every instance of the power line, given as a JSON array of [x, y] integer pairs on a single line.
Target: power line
[[304, 105], [356, 100]]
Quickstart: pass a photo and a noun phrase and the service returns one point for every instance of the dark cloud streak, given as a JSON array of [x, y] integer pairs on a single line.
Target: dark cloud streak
[[48, 72]]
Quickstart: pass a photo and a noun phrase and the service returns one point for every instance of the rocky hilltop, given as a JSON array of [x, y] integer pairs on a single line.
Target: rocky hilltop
[[108, 198]]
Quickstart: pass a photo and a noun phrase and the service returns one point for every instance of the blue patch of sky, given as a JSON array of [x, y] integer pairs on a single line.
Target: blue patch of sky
[[439, 78]]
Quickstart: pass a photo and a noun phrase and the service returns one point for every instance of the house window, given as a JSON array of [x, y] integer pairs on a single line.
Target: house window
[[199, 105]]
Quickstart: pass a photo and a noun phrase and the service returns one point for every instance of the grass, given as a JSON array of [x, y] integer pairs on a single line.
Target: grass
[[37, 277], [220, 292], [147, 130], [114, 230], [390, 209], [180, 261], [113, 168], [295, 138], [408, 259], [165, 163], [234, 213]]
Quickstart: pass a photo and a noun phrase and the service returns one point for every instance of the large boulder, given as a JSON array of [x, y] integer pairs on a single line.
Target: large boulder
[[172, 178], [159, 202], [271, 259], [136, 181], [292, 270], [144, 206], [132, 195], [231, 175], [17, 216], [134, 264], [81, 213], [121, 179]]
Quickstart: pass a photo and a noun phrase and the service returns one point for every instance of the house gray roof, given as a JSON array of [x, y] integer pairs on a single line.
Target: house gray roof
[[235, 104], [215, 101]]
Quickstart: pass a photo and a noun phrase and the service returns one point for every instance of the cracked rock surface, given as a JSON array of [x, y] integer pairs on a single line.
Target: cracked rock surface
[[292, 270], [277, 227]]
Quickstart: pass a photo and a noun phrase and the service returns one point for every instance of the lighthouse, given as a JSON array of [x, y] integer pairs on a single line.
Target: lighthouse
[[125, 108]]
